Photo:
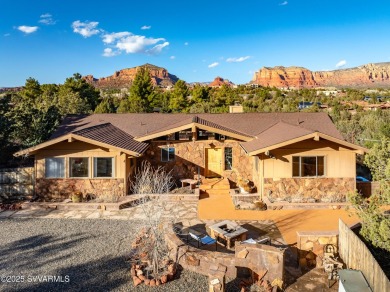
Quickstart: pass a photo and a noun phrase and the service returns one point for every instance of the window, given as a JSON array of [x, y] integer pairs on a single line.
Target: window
[[304, 166], [79, 167], [167, 154], [228, 158], [185, 135], [205, 135], [54, 167], [103, 167]]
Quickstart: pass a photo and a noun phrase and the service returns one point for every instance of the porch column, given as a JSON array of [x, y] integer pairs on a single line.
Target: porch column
[[194, 133]]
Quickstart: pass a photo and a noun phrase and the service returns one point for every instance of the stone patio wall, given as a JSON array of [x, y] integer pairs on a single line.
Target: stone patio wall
[[191, 154], [296, 190], [60, 189], [259, 258], [311, 245]]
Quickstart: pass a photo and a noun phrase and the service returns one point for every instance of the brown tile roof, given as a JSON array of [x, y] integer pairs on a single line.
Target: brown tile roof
[[111, 135], [248, 124], [278, 133]]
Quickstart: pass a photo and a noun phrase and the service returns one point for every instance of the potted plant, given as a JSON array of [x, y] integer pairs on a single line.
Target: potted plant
[[77, 197]]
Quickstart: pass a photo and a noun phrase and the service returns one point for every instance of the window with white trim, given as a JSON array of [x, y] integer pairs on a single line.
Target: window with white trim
[[55, 167], [103, 167], [308, 166], [167, 154], [78, 167]]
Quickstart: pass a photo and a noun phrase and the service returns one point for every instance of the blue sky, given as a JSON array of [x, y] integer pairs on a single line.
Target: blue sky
[[50, 40]]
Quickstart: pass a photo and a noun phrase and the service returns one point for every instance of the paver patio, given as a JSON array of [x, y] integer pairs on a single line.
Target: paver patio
[[220, 207]]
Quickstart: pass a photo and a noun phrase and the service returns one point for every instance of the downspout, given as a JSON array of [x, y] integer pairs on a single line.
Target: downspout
[[262, 177]]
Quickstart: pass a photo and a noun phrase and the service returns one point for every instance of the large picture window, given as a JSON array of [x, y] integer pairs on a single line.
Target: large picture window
[[228, 158], [103, 167], [78, 167], [167, 154], [54, 167], [304, 166]]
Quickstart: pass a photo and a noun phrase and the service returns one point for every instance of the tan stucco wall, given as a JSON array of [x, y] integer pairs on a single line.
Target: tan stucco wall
[[339, 162], [275, 174], [82, 149]]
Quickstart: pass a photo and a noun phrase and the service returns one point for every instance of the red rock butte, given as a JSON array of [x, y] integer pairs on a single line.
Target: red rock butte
[[124, 78], [219, 81], [369, 75]]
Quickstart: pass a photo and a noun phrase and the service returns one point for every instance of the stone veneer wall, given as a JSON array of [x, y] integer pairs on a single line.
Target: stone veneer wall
[[311, 245], [191, 154], [304, 189], [64, 188], [257, 257]]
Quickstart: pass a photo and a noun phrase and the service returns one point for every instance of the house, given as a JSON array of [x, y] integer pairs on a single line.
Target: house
[[281, 153], [307, 104]]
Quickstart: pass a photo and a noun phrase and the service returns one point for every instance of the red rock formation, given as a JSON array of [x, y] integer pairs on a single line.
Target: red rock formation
[[219, 81], [370, 75], [124, 78]]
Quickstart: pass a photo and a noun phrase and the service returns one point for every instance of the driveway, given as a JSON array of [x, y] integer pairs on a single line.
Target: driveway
[[79, 254]]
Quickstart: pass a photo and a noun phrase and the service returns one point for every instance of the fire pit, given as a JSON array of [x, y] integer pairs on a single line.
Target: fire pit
[[229, 232]]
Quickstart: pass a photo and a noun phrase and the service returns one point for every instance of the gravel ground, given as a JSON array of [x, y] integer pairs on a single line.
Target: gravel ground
[[87, 255]]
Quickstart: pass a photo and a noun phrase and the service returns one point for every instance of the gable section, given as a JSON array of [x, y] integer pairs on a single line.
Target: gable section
[[195, 123], [103, 135]]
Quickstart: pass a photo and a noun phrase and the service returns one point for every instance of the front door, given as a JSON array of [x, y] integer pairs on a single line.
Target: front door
[[213, 162]]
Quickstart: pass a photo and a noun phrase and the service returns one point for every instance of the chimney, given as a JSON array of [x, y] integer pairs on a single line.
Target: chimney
[[236, 108]]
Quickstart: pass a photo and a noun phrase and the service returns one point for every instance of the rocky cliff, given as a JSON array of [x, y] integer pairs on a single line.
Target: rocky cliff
[[370, 75], [124, 78], [219, 81]]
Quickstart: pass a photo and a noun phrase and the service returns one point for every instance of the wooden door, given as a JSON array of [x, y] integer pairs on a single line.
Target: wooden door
[[213, 162]]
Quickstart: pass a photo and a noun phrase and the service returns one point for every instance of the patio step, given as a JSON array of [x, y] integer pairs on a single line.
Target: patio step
[[215, 184]]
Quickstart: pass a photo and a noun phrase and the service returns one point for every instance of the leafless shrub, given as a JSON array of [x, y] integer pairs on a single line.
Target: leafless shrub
[[149, 180], [155, 182]]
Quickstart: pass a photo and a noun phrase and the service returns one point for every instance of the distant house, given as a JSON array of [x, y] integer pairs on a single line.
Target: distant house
[[281, 153], [369, 98], [307, 104]]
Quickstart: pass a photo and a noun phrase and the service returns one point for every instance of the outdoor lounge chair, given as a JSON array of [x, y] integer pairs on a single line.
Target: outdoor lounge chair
[[203, 239]]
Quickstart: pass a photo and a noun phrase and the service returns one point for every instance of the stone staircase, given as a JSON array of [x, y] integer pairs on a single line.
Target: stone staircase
[[215, 187]]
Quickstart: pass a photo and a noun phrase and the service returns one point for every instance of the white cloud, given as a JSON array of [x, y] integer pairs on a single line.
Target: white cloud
[[27, 29], [341, 63], [157, 48], [212, 65], [139, 44], [47, 19], [283, 3], [172, 57], [186, 43], [108, 52], [237, 60], [121, 41], [7, 34], [86, 29], [112, 37], [146, 27]]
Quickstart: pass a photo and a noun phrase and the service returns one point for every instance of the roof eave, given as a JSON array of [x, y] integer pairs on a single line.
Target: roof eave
[[316, 136], [70, 137]]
